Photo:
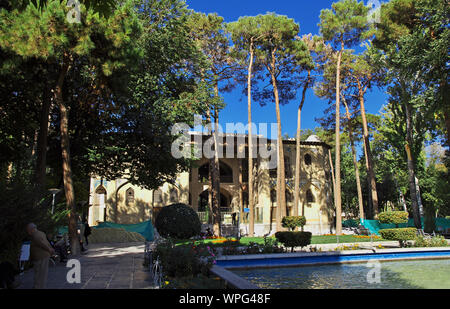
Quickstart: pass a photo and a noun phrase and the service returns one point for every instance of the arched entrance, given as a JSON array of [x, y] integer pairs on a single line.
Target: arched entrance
[[203, 209], [97, 213], [226, 173], [225, 201]]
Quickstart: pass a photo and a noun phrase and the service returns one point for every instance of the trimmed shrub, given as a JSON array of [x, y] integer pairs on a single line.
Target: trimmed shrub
[[292, 222], [178, 221], [393, 217], [294, 239], [401, 235]]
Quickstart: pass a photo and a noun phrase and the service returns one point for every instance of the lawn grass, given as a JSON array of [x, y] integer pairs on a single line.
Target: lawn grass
[[316, 240]]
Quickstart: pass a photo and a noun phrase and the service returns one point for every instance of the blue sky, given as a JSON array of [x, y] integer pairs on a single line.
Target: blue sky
[[304, 12]]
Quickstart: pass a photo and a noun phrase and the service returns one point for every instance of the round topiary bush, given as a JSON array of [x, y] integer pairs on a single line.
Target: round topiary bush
[[292, 222], [178, 221]]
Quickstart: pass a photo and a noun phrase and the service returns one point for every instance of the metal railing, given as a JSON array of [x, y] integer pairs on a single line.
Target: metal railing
[[225, 216]]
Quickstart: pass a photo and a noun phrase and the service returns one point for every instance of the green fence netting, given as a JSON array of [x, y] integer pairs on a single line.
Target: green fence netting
[[374, 225], [144, 228]]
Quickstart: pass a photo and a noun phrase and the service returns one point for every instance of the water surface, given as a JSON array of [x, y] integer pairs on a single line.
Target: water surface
[[423, 274]]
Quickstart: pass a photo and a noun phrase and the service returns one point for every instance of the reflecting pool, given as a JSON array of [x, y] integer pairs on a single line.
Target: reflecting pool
[[417, 274]]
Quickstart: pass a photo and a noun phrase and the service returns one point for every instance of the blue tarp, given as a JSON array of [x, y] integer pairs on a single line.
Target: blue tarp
[[374, 225], [145, 228]]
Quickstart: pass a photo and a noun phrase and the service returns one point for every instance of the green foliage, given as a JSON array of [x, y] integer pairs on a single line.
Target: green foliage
[[231, 248], [178, 221], [276, 52], [271, 245], [393, 217], [345, 23], [268, 246], [294, 239], [401, 235], [17, 210], [184, 260], [292, 222], [434, 183], [437, 241]]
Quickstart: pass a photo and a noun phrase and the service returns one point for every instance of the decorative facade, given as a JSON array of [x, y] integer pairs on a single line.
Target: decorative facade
[[121, 202]]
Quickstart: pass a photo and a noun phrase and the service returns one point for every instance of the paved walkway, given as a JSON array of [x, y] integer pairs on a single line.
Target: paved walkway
[[104, 266]]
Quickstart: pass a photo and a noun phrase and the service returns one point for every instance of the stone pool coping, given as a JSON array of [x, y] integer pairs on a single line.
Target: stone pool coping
[[232, 280], [296, 258]]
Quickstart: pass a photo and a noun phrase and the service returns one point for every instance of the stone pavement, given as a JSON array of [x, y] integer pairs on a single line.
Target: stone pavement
[[104, 266]]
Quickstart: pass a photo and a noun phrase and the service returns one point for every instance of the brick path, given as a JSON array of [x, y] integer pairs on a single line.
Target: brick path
[[104, 266]]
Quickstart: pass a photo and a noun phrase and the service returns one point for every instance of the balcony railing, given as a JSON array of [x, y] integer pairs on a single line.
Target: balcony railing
[[225, 214]]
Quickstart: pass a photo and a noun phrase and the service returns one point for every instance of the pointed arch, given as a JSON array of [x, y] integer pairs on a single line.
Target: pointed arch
[[226, 173], [310, 198], [173, 195], [308, 159], [158, 197], [129, 195]]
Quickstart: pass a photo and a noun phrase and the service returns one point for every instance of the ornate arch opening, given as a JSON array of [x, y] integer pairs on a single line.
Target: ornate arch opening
[[226, 173], [129, 195]]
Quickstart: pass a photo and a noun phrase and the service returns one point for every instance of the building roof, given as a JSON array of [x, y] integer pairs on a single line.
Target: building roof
[[312, 140]]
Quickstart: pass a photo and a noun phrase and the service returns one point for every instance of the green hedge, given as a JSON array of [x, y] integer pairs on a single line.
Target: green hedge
[[393, 217], [294, 239], [401, 235]]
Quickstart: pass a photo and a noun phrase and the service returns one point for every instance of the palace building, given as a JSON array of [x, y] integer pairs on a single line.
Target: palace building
[[121, 202]]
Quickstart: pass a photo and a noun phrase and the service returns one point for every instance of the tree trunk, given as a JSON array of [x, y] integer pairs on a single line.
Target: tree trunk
[[298, 159], [216, 177], [241, 197], [297, 164], [337, 193], [251, 205], [210, 192], [215, 173], [65, 151], [369, 158], [281, 182], [411, 173], [355, 162], [333, 179]]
